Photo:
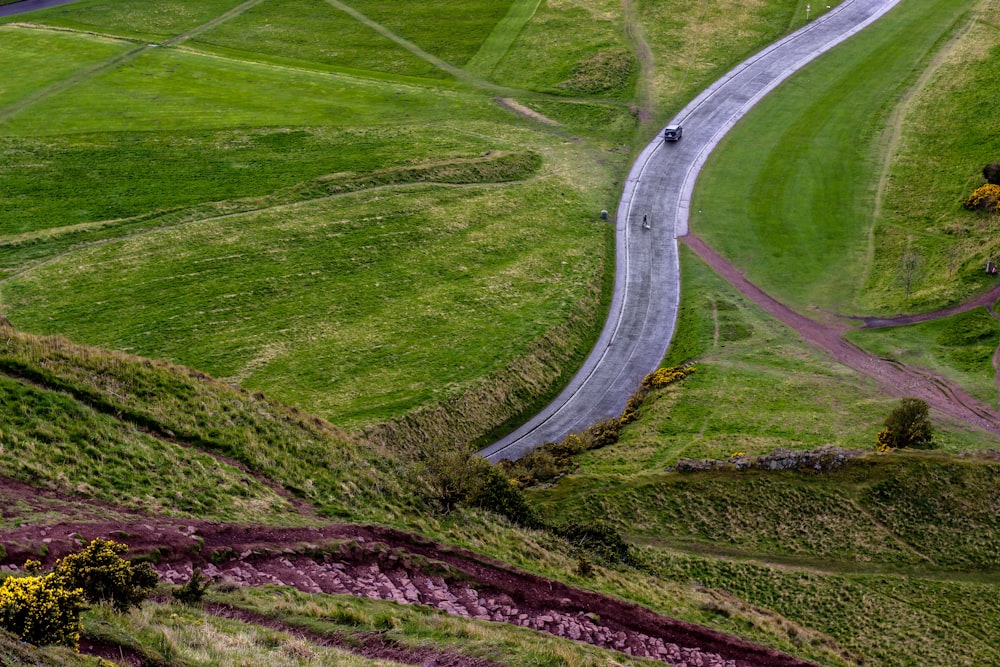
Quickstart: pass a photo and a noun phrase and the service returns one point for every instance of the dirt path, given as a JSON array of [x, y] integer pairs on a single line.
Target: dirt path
[[984, 300], [896, 379], [375, 562]]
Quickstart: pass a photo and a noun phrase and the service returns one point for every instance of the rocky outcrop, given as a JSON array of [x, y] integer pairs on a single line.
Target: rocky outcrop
[[824, 459]]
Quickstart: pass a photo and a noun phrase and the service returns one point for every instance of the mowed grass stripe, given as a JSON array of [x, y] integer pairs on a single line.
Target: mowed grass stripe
[[454, 71], [117, 61], [502, 38], [149, 21], [313, 33], [788, 196]]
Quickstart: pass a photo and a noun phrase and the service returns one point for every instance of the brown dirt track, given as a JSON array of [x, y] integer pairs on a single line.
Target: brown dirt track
[[182, 544], [896, 379]]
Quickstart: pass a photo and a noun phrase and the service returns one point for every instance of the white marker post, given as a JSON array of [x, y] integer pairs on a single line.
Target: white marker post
[[808, 7]]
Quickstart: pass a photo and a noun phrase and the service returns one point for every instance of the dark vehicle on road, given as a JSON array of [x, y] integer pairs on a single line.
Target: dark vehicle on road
[[672, 132]]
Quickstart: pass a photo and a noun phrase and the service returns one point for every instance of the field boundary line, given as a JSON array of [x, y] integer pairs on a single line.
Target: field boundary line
[[213, 23], [500, 41], [457, 72], [76, 78]]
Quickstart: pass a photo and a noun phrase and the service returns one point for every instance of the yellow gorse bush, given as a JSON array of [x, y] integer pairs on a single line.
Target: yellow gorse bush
[[40, 611], [664, 376], [985, 198]]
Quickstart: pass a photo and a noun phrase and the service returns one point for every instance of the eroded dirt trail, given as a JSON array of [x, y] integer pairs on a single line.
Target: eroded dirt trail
[[896, 379], [382, 563]]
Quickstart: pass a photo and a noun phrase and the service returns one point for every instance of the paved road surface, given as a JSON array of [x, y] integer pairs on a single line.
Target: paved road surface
[[647, 274], [30, 6]]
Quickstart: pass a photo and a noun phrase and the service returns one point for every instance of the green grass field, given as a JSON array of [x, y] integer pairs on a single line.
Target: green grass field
[[946, 134], [789, 194], [323, 206], [152, 145]]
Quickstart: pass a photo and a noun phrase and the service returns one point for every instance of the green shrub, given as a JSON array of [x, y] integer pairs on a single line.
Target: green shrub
[[599, 540], [104, 576], [908, 425], [496, 493], [194, 590], [41, 610], [991, 173]]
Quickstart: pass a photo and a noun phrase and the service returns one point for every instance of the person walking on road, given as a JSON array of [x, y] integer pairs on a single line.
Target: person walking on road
[[645, 221]]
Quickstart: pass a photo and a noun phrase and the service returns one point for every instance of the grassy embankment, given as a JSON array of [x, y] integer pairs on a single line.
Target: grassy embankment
[[816, 611], [380, 302], [789, 195], [142, 409], [885, 558], [890, 557], [946, 133]]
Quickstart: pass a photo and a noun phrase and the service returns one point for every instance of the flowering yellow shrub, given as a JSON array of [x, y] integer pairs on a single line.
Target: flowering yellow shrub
[[40, 611], [883, 441], [664, 376], [104, 576], [985, 198]]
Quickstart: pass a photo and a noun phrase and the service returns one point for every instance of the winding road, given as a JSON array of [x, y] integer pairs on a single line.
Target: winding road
[[646, 296]]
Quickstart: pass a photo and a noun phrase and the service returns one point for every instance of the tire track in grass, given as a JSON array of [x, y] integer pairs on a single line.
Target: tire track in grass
[[117, 61], [644, 55], [457, 72], [502, 38]]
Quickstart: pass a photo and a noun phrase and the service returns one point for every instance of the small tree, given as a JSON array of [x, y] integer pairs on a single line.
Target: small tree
[[194, 590], [991, 173], [908, 425], [104, 576]]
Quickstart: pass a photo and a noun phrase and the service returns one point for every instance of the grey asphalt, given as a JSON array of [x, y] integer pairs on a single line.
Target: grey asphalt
[[643, 309], [29, 6]]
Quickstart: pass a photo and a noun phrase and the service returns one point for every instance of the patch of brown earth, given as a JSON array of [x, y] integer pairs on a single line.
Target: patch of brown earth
[[511, 104], [896, 379], [393, 565]]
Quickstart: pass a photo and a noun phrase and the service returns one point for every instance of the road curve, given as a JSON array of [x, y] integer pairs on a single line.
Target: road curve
[[647, 272]]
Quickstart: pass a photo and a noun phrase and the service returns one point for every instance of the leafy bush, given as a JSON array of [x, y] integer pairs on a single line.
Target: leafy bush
[[40, 610], [104, 576], [496, 493], [450, 475], [194, 590], [908, 425], [991, 173], [600, 540], [985, 198]]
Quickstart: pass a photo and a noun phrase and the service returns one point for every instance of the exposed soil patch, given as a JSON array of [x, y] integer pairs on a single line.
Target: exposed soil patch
[[896, 378], [388, 564], [984, 300], [526, 112]]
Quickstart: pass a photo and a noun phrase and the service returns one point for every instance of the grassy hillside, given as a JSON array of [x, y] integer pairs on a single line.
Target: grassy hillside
[[324, 204], [325, 201], [789, 195]]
